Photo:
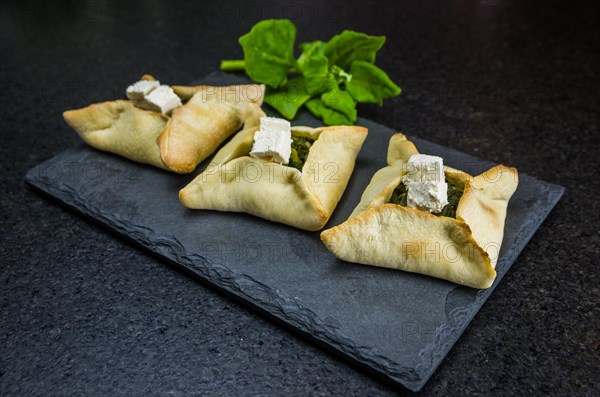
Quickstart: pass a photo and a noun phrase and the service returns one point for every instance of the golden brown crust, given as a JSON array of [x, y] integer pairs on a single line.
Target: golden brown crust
[[330, 163], [268, 190], [483, 206], [122, 128], [248, 93], [398, 237], [400, 149], [197, 129], [239, 183], [192, 133], [465, 249]]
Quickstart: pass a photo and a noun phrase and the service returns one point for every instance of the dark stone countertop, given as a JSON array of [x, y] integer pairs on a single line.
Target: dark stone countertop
[[86, 313]]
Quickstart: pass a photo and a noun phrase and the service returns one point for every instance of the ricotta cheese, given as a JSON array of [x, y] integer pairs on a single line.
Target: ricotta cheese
[[426, 183], [273, 141]]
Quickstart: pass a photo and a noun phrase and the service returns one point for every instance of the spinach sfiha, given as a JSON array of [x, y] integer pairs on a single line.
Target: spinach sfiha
[[300, 148], [455, 192]]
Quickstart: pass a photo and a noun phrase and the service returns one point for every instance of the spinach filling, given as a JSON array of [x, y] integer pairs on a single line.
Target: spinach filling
[[399, 195], [300, 148], [455, 192]]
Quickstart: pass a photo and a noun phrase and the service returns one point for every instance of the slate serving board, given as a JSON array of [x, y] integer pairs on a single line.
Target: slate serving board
[[396, 325]]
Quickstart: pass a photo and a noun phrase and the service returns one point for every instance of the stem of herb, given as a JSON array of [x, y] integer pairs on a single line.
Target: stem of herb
[[238, 65]]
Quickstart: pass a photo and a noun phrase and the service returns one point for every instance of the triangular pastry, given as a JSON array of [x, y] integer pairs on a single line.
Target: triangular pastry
[[305, 199], [463, 249], [178, 141]]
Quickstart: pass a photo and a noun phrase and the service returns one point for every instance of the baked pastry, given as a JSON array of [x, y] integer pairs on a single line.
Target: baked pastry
[[166, 133], [302, 194], [461, 244]]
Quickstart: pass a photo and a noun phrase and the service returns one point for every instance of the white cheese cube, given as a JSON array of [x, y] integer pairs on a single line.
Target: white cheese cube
[[138, 90], [273, 141], [162, 99], [426, 183], [427, 196], [423, 167]]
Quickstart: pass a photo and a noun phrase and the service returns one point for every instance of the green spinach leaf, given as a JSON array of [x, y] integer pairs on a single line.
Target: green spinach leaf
[[313, 65], [332, 77], [337, 99], [328, 115], [350, 46], [340, 75], [288, 98], [370, 84], [269, 51]]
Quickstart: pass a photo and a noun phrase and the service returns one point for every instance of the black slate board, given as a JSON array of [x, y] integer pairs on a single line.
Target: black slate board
[[397, 325]]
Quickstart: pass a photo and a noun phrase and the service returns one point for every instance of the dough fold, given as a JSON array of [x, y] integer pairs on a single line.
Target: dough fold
[[236, 182], [463, 250], [178, 142]]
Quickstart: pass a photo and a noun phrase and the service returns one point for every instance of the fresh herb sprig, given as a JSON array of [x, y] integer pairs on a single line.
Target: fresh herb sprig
[[329, 78]]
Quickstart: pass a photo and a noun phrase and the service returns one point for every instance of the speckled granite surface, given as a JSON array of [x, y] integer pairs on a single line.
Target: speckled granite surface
[[85, 313]]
